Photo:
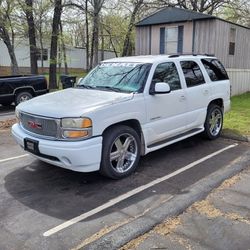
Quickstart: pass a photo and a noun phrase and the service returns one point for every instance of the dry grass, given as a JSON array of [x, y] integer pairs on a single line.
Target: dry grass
[[7, 123]]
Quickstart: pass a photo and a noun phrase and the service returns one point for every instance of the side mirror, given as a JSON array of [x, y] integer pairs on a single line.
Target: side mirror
[[79, 80], [160, 88]]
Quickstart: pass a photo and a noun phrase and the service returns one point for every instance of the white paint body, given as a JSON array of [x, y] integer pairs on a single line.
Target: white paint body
[[161, 117]]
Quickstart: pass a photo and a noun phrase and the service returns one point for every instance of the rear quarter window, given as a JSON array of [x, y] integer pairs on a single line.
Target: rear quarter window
[[215, 69]]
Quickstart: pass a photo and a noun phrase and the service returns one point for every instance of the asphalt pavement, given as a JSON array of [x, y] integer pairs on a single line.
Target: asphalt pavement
[[7, 112], [221, 221], [46, 207]]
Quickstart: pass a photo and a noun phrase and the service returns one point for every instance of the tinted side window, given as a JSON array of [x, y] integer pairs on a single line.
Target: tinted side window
[[192, 73], [167, 72], [215, 69]]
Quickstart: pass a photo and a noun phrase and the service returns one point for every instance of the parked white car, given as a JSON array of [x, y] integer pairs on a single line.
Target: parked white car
[[125, 108]]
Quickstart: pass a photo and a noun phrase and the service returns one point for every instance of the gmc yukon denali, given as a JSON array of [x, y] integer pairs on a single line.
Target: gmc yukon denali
[[123, 109]]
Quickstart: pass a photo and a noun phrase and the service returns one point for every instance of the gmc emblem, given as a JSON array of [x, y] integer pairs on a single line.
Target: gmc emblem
[[34, 125]]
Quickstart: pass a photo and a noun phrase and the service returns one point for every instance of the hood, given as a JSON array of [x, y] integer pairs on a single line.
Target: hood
[[73, 102]]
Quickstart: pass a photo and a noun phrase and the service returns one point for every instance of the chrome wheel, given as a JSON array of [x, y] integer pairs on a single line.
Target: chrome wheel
[[215, 122], [24, 98], [123, 153]]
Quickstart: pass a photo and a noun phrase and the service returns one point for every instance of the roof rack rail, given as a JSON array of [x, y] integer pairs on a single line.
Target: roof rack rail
[[189, 54]]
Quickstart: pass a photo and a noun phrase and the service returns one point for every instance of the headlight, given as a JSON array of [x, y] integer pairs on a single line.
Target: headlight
[[76, 128], [76, 123]]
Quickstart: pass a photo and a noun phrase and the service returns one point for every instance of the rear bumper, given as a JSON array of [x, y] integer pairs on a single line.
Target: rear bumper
[[81, 156]]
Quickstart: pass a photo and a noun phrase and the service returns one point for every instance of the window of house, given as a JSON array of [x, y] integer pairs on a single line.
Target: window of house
[[171, 40], [167, 72], [192, 73], [232, 41], [215, 69], [42, 53]]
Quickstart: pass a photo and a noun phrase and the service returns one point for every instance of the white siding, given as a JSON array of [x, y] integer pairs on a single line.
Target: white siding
[[75, 56], [240, 80]]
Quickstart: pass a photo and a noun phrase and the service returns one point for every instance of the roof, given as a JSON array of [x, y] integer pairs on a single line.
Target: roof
[[173, 15], [153, 58]]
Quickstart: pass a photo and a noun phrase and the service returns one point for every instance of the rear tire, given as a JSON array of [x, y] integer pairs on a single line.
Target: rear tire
[[121, 152], [214, 122], [23, 97]]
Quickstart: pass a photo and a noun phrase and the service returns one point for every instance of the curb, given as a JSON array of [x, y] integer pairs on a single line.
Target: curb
[[119, 237], [236, 137]]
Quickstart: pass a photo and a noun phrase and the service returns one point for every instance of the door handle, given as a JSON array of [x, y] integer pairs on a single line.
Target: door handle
[[182, 98]]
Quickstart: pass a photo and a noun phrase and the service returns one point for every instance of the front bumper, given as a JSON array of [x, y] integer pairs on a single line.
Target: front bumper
[[81, 156]]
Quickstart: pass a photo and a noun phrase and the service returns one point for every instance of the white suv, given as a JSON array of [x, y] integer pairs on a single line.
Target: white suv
[[125, 108]]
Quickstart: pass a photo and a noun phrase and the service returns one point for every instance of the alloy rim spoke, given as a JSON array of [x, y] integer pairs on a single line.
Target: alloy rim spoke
[[115, 155], [127, 143], [118, 144]]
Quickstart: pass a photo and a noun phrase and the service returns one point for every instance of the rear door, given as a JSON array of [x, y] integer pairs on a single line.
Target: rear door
[[197, 92]]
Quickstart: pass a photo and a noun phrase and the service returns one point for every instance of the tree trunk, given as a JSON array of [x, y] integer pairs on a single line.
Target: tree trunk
[[6, 39], [96, 21], [64, 51], [53, 47], [32, 36], [127, 46], [87, 35], [102, 44]]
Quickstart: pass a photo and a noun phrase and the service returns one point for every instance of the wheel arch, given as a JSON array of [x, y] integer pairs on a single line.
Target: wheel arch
[[218, 101], [134, 124], [23, 89]]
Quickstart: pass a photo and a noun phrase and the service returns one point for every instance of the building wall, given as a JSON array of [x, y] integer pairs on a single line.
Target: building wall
[[75, 56], [212, 36], [144, 43], [240, 80]]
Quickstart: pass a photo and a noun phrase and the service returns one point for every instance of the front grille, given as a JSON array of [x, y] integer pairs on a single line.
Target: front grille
[[39, 125]]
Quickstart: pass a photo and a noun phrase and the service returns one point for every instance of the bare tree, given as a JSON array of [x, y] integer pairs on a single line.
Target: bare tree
[[54, 41], [97, 6], [127, 47], [28, 9], [5, 24], [203, 6]]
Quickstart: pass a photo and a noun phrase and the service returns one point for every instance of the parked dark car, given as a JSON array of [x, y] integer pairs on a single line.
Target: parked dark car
[[21, 88]]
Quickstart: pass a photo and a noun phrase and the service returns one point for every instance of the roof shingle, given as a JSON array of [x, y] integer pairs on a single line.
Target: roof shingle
[[173, 15]]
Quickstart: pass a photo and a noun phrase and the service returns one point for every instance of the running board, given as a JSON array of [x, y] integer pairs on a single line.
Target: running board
[[169, 139]]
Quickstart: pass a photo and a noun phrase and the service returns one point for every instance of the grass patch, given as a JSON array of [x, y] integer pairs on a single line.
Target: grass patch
[[238, 119]]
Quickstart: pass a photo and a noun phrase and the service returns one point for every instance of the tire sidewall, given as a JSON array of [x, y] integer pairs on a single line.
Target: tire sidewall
[[19, 95], [108, 139], [207, 132]]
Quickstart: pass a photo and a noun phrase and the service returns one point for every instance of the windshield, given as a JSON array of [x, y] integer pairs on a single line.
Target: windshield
[[121, 77]]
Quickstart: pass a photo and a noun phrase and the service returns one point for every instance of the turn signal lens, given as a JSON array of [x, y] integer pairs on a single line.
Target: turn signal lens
[[86, 123], [75, 134]]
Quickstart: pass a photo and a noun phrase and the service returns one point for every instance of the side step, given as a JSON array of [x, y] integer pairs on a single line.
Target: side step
[[176, 137]]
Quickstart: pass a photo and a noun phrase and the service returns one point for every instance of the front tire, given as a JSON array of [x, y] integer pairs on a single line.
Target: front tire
[[214, 122], [121, 152]]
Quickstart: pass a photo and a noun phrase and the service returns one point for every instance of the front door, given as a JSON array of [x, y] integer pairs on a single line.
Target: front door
[[166, 113]]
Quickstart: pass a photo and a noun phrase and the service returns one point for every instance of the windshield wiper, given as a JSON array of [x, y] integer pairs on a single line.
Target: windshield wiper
[[110, 88], [86, 86]]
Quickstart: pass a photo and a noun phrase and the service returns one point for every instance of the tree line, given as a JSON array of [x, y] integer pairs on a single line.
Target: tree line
[[96, 25]]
